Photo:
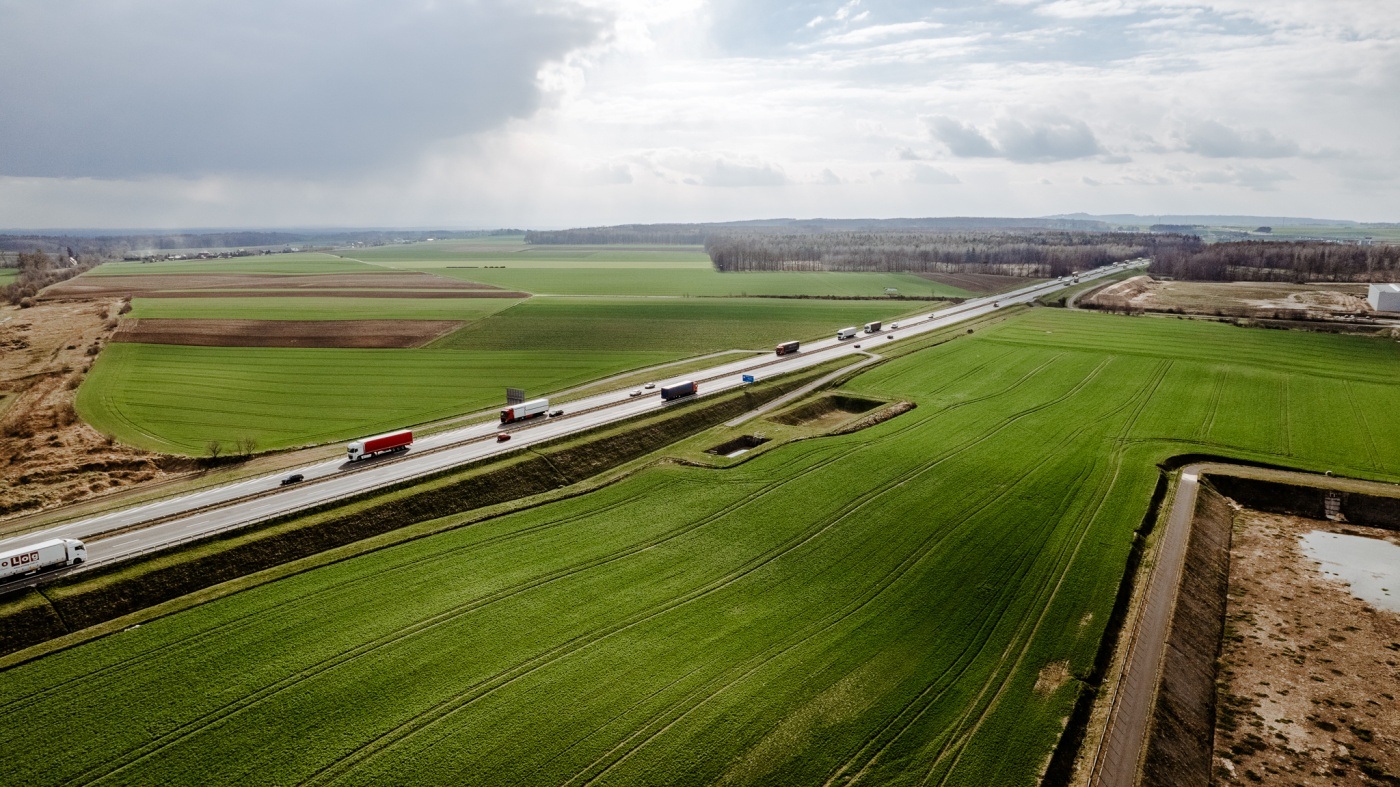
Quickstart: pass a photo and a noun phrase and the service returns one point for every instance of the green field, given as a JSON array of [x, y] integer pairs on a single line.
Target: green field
[[176, 398], [8, 275], [319, 308], [633, 270], [876, 607], [675, 325]]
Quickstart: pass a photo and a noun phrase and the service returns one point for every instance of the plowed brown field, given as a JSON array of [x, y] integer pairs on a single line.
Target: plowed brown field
[[372, 334]]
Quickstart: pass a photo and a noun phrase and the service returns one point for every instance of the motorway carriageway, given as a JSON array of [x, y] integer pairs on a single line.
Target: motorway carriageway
[[194, 515]]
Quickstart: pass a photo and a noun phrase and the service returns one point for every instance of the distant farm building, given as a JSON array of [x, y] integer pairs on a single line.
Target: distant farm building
[[1384, 297]]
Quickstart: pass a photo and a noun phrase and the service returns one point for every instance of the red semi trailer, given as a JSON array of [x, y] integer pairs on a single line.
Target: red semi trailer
[[787, 347], [519, 412], [380, 443]]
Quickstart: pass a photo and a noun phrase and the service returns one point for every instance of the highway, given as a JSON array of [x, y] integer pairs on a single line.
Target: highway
[[155, 525]]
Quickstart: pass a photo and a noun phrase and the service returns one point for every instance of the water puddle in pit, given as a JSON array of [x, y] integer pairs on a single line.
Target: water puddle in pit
[[740, 452], [1371, 566]]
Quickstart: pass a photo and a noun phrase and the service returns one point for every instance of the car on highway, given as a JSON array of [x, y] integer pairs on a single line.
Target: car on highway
[[649, 386], [894, 325], [857, 346], [501, 437], [556, 413], [294, 478], [637, 392]]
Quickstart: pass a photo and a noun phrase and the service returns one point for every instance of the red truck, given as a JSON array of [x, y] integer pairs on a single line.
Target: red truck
[[380, 443], [519, 412], [787, 347]]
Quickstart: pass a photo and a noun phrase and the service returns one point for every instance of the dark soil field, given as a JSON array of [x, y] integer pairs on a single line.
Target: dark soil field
[[373, 334]]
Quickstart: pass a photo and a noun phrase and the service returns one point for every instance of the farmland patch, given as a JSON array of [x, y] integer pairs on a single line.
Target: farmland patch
[[382, 334], [877, 606]]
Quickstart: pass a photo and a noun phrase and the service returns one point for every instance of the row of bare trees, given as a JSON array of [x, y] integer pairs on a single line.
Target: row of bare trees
[[38, 270], [1036, 253], [1280, 261]]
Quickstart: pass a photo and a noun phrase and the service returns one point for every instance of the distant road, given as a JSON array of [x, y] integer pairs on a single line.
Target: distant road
[[162, 523]]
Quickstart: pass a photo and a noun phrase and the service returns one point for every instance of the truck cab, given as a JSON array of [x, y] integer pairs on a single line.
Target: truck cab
[[77, 551]]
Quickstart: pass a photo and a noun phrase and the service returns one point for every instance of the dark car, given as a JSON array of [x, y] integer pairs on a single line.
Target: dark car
[[556, 413], [294, 478], [501, 437]]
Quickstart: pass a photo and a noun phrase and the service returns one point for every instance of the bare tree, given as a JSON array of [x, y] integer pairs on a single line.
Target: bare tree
[[214, 448], [246, 446]]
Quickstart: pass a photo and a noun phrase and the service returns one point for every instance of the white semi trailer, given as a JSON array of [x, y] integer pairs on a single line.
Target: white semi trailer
[[37, 557]]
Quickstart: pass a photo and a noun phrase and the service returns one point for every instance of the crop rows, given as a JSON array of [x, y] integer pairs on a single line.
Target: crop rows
[[875, 608]]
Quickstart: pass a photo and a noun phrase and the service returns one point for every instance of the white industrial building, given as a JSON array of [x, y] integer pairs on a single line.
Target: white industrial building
[[1384, 297]]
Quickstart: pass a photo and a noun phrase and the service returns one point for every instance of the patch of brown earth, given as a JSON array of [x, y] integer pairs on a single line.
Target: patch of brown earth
[[1051, 677], [372, 334], [977, 282], [1234, 299], [47, 455], [1309, 673], [90, 286]]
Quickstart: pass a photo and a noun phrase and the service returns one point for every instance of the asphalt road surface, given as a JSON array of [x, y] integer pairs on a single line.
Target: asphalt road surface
[[155, 525]]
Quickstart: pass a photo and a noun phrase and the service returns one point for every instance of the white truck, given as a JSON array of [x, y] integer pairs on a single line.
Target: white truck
[[37, 557], [848, 333], [519, 412], [872, 327]]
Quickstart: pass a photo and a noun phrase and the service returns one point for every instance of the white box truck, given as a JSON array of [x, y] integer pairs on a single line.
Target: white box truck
[[848, 333], [519, 412], [37, 557]]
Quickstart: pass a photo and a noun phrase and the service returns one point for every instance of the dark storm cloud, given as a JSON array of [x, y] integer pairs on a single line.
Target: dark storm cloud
[[195, 87]]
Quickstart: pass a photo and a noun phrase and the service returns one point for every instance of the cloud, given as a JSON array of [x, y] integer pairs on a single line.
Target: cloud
[[963, 140], [1053, 138], [1251, 177], [927, 175], [1216, 140], [729, 174], [145, 87]]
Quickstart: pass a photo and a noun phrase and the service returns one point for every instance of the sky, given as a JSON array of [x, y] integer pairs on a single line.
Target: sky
[[508, 113]]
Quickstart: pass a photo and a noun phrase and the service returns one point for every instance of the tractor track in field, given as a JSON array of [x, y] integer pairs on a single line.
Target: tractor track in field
[[291, 605], [831, 620], [839, 772], [1287, 418], [194, 726], [1372, 451], [1115, 460], [449, 707], [1217, 391]]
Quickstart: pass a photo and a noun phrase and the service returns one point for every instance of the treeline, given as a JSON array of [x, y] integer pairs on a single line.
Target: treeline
[[694, 234], [1280, 261], [1039, 254], [38, 270]]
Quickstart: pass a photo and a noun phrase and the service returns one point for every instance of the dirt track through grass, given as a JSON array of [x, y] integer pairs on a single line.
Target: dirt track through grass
[[875, 607]]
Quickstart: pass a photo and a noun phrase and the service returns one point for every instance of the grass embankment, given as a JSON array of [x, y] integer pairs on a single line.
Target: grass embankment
[[915, 602]]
